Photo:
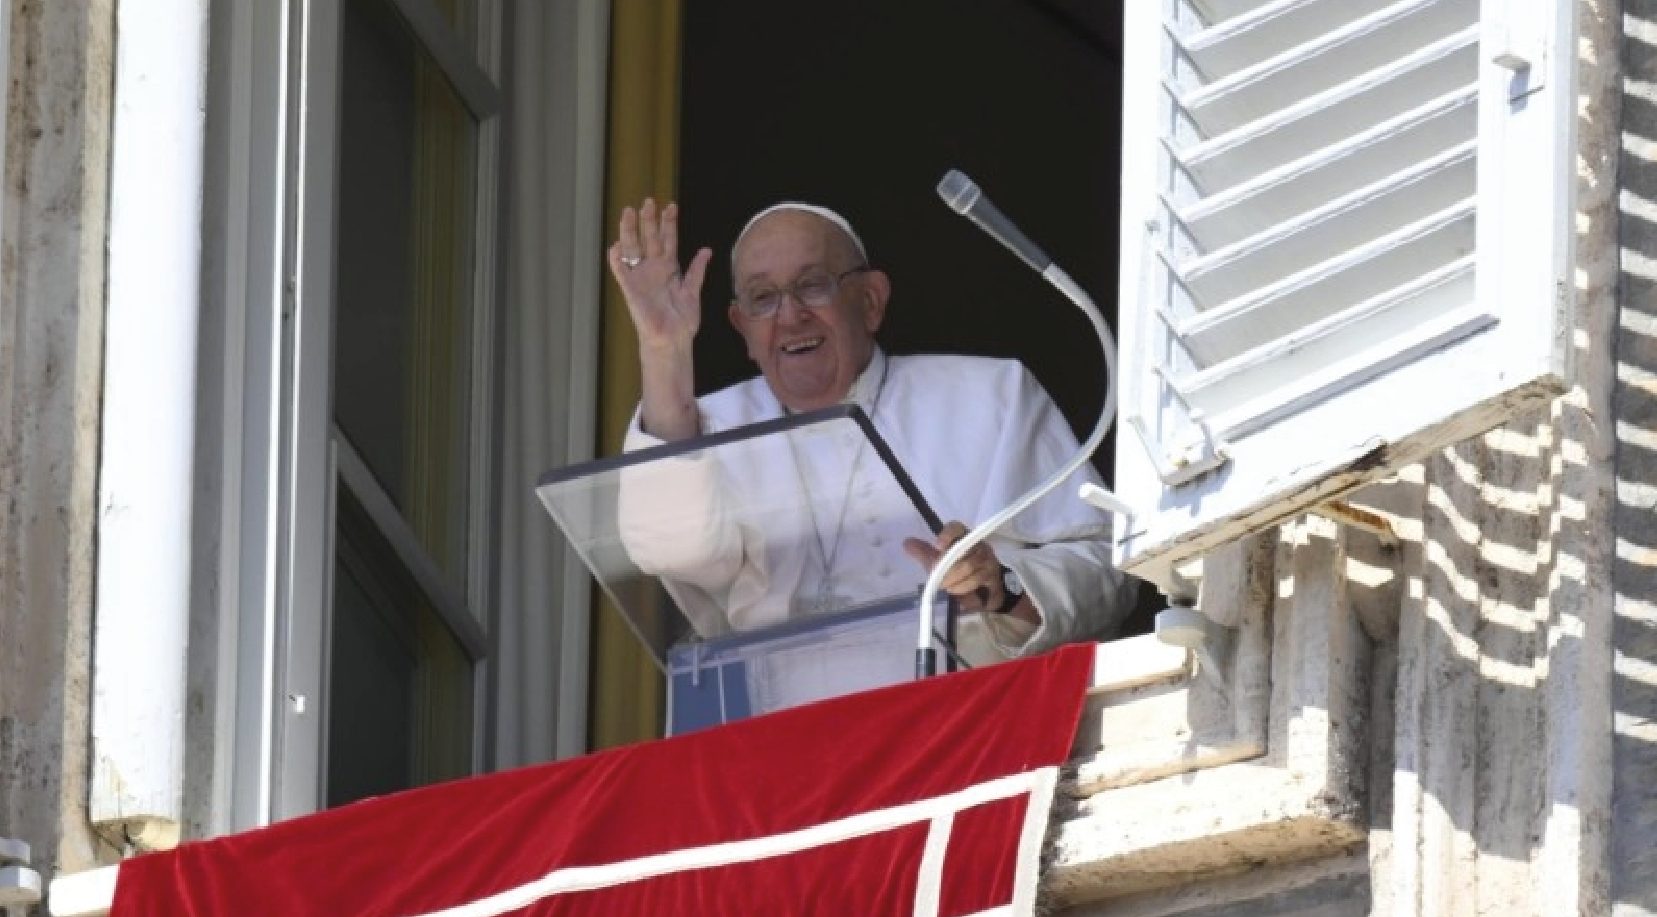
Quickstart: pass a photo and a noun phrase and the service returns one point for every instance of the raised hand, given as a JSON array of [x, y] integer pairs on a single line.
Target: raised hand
[[665, 304], [666, 308]]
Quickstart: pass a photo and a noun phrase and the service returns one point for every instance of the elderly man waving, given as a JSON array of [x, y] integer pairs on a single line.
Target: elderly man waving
[[973, 432]]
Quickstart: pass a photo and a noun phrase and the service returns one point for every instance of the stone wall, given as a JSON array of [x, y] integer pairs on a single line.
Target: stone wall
[[1633, 828], [51, 353]]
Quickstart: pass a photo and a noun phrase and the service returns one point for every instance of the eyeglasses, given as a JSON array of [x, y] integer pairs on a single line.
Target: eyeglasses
[[813, 290]]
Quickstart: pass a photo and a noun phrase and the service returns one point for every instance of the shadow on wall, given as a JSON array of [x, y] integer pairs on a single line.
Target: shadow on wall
[[1634, 628], [1492, 806], [1486, 784]]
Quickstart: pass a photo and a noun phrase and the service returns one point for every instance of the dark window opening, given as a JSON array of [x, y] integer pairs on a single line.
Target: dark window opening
[[863, 109]]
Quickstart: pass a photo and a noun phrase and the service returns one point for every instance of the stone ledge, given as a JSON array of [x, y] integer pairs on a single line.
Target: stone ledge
[[1169, 831], [1189, 778]]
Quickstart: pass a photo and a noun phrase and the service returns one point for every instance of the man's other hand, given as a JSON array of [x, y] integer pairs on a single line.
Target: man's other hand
[[974, 581]]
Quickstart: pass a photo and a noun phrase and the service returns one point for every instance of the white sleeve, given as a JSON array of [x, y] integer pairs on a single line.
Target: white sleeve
[[1077, 591], [673, 518], [1060, 547]]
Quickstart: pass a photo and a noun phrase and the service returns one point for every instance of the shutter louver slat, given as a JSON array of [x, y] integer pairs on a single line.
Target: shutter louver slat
[[1269, 366], [1278, 195], [1305, 70], [1244, 41], [1328, 231], [1442, 67], [1438, 328], [1216, 11], [1310, 217], [1282, 307]]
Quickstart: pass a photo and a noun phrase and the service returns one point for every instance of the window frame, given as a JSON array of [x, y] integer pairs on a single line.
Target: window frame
[[276, 199]]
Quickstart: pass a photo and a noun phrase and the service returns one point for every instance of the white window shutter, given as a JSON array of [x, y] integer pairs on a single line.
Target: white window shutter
[[1346, 241]]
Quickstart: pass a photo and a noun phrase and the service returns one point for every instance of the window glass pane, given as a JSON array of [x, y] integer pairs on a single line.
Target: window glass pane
[[400, 707], [462, 15], [405, 258]]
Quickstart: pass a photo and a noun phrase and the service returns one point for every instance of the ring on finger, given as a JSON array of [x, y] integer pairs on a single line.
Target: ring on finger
[[631, 261]]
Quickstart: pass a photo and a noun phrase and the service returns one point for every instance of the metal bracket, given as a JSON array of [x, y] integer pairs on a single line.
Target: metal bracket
[[1185, 626], [1523, 52]]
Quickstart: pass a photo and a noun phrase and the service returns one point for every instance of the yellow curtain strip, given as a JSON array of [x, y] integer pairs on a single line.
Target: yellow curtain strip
[[643, 160]]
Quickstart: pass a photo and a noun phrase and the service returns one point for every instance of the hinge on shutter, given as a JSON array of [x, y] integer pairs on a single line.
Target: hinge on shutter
[[1185, 465]]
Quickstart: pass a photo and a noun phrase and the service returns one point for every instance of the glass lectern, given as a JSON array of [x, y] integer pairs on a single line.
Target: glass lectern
[[761, 567]]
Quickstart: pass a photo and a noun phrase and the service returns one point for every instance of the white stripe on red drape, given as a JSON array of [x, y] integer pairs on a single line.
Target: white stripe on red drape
[[940, 811]]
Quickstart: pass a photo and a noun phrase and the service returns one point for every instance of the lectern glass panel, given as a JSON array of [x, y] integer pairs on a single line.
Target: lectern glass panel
[[778, 546]]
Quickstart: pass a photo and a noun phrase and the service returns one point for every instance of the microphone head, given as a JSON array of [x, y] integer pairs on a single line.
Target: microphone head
[[958, 191]]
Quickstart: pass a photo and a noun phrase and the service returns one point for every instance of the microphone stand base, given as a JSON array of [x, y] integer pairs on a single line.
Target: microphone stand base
[[926, 663]]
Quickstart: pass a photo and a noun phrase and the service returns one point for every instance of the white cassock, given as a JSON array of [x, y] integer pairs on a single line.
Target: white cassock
[[973, 434]]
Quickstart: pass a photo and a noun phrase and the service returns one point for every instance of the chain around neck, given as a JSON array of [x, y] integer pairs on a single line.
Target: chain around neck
[[827, 552]]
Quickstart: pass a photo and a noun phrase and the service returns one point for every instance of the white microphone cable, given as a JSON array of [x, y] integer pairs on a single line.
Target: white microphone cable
[[964, 198]]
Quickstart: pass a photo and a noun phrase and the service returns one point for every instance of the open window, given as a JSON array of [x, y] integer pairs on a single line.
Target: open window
[[1345, 242]]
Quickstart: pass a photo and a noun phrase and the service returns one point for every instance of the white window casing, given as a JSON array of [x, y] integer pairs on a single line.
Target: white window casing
[[146, 469], [1346, 241]]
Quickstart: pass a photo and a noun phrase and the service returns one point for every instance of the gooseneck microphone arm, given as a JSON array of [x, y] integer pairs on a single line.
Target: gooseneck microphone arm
[[964, 197]]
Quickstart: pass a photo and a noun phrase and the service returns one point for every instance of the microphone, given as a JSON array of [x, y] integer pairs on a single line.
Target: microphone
[[963, 197]]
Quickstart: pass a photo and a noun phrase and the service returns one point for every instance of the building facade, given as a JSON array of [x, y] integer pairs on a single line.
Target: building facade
[[237, 517]]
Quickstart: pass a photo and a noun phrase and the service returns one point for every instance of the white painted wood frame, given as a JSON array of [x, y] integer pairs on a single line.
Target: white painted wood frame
[[146, 485], [1346, 241]]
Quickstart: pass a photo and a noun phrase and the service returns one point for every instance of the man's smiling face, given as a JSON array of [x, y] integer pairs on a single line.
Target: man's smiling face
[[810, 356]]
